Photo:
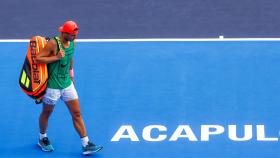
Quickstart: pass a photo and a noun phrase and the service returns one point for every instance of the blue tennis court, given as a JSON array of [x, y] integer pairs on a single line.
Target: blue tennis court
[[166, 84]]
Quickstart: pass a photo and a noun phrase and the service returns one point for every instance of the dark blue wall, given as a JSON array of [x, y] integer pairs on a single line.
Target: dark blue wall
[[142, 18]]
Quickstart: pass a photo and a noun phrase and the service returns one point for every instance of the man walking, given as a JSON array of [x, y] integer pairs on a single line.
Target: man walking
[[58, 55]]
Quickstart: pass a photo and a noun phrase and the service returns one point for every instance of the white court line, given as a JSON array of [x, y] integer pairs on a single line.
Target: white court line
[[177, 39], [158, 40]]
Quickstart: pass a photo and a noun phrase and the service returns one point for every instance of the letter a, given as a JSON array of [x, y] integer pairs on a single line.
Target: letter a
[[120, 134]]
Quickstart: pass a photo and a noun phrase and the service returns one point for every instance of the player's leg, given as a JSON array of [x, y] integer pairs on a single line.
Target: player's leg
[[44, 117], [71, 99], [44, 142], [50, 99], [78, 122]]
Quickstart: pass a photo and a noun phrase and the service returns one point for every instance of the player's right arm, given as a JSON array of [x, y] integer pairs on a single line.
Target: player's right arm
[[48, 54]]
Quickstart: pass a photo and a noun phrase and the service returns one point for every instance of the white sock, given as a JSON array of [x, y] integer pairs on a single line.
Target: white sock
[[41, 136], [84, 141]]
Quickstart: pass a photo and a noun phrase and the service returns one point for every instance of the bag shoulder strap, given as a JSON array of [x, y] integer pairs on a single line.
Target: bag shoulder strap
[[58, 43]]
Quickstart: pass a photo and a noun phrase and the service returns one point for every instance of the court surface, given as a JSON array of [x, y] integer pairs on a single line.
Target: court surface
[[139, 84]]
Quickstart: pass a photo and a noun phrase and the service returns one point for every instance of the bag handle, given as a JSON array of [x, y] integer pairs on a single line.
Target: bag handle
[[59, 43]]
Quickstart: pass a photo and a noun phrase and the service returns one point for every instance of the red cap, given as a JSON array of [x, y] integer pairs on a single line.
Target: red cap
[[69, 27]]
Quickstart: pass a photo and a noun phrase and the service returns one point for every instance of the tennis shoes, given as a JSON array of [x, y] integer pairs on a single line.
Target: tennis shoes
[[45, 144], [86, 150], [91, 148]]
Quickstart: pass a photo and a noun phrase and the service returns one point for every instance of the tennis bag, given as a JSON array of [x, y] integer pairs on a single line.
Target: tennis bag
[[33, 77]]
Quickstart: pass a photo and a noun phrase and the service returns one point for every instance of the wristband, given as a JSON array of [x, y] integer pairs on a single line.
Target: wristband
[[71, 72]]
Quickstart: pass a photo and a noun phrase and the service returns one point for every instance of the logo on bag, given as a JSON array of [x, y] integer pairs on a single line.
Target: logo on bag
[[35, 71]]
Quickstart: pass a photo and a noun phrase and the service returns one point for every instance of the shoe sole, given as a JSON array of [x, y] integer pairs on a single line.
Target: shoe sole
[[43, 148], [91, 152]]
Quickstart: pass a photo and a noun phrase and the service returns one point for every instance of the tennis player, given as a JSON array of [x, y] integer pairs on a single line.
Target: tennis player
[[58, 54]]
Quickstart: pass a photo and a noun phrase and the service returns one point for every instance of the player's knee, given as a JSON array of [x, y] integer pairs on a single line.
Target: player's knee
[[47, 112], [76, 115]]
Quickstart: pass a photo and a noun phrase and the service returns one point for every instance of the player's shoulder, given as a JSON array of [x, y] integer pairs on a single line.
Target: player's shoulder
[[52, 43]]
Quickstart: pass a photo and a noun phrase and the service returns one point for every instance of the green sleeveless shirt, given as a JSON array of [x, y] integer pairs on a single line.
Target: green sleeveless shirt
[[59, 77]]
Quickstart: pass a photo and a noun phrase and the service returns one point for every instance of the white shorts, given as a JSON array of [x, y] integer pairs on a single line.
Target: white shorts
[[67, 94]]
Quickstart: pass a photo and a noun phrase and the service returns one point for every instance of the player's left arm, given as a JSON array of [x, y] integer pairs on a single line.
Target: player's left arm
[[71, 70]]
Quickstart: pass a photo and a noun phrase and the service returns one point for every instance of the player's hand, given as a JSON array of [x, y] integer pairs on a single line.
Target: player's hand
[[71, 73], [60, 54]]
